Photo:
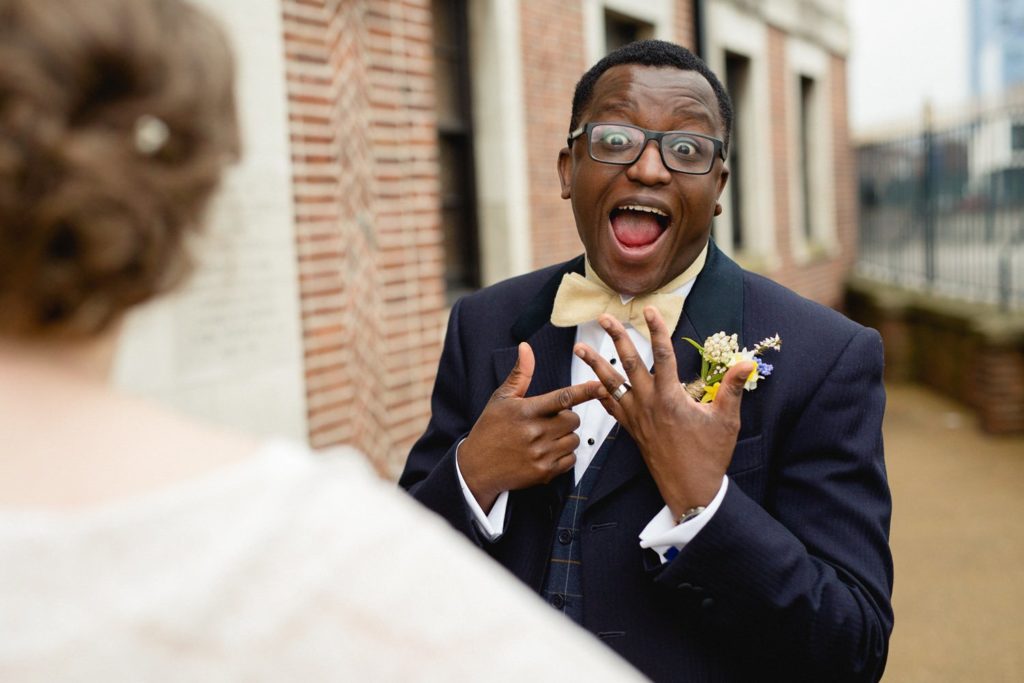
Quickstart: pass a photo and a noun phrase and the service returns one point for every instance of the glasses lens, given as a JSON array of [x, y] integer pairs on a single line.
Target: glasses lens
[[687, 152], [616, 144]]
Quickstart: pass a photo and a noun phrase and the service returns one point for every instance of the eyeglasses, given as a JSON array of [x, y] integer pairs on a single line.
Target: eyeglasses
[[622, 144]]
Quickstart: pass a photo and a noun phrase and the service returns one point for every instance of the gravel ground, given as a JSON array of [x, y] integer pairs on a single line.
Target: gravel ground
[[958, 544]]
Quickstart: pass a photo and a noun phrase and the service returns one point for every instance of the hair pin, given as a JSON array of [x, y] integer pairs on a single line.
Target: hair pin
[[151, 134]]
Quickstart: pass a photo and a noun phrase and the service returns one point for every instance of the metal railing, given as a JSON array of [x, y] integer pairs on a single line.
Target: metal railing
[[942, 208]]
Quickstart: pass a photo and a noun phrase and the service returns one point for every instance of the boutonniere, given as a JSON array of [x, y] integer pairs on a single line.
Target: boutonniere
[[720, 352]]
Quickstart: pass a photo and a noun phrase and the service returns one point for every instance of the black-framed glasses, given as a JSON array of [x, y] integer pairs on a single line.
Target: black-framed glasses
[[621, 143]]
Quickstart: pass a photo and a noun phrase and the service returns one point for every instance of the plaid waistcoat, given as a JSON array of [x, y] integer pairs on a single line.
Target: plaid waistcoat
[[563, 586]]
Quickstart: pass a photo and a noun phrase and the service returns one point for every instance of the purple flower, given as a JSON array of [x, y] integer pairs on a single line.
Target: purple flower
[[763, 369]]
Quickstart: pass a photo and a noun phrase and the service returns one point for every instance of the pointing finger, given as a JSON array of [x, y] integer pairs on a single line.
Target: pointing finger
[[565, 398]]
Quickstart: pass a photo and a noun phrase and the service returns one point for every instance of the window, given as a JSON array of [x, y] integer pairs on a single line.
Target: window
[[620, 30], [737, 78], [1017, 137], [455, 146], [806, 137]]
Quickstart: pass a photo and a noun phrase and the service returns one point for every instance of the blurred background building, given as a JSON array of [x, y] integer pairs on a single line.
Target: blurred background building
[[401, 153], [941, 253], [996, 45]]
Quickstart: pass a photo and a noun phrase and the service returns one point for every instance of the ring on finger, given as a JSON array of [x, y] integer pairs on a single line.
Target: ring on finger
[[621, 390]]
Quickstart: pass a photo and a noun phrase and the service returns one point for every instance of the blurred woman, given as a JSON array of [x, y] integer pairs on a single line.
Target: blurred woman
[[138, 545]]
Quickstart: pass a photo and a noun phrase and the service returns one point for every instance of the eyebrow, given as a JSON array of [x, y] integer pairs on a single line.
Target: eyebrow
[[692, 110]]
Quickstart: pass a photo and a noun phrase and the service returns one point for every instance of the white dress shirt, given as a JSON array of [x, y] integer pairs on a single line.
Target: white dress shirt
[[661, 533]]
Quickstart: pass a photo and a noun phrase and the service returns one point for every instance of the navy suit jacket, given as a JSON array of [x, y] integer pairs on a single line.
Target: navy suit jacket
[[792, 577]]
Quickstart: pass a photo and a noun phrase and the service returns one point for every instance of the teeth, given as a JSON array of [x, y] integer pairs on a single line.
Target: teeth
[[644, 209]]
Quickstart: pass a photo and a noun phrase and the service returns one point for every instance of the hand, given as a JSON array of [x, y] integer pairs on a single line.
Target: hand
[[687, 445], [519, 442]]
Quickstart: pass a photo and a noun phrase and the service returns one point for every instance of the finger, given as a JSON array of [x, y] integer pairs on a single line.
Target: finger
[[609, 377], [614, 408], [563, 464], [666, 376], [727, 400], [565, 422], [630, 360], [565, 398], [566, 445], [518, 381]]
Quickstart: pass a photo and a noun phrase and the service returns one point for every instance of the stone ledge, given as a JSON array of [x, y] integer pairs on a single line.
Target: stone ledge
[[970, 352]]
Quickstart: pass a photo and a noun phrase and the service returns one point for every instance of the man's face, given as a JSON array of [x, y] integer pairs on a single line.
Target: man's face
[[636, 250]]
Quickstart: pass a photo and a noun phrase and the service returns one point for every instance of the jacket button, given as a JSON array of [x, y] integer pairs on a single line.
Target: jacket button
[[558, 601], [565, 537], [707, 603]]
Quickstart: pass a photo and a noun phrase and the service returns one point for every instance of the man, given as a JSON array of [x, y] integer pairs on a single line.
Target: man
[[745, 538]]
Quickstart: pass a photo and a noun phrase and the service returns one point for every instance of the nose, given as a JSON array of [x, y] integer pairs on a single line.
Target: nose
[[649, 169]]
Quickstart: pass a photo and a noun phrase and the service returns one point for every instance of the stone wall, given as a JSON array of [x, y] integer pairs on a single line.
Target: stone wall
[[972, 353]]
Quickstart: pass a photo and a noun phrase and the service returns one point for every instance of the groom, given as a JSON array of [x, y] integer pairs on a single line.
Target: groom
[[740, 539]]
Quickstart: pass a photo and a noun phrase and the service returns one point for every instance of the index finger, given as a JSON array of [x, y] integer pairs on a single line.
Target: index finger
[[565, 398], [666, 374]]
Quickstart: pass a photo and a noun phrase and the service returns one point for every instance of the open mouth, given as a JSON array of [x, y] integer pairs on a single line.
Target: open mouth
[[637, 226]]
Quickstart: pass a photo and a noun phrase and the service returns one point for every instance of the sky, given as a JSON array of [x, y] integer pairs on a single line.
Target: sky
[[902, 54]]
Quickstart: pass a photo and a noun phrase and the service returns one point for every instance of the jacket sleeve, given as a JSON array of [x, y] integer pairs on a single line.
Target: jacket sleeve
[[430, 474], [805, 581]]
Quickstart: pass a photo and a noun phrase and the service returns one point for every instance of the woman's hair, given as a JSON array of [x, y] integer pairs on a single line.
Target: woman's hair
[[117, 119]]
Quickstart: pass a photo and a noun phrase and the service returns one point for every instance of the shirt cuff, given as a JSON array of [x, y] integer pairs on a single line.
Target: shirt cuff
[[490, 525], [667, 538]]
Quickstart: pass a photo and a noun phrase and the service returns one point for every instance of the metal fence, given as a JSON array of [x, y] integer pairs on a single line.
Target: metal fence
[[942, 209]]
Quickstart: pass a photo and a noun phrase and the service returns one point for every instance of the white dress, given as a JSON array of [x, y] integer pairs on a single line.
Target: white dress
[[286, 567]]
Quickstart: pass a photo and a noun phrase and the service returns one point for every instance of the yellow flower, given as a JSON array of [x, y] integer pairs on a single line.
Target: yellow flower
[[751, 382], [710, 392]]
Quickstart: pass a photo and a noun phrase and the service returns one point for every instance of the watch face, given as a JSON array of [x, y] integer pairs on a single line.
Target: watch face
[[690, 514]]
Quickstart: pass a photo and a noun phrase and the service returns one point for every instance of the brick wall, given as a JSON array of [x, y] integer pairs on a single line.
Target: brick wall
[[684, 28], [950, 346], [364, 154], [553, 60], [821, 278]]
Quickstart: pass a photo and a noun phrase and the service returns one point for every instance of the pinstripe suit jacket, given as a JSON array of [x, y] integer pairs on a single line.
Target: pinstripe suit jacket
[[792, 577]]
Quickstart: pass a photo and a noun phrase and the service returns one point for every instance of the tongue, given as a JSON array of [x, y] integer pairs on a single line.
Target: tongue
[[635, 229]]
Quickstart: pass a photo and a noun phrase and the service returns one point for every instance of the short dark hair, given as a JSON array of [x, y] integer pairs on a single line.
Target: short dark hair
[[651, 53]]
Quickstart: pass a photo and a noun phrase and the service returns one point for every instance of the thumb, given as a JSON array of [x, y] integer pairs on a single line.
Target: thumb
[[731, 392], [518, 380]]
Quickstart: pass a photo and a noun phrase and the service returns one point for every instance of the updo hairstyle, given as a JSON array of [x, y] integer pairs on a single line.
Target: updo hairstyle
[[117, 119]]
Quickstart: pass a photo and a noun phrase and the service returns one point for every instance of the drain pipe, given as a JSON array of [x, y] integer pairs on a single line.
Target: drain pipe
[[700, 38]]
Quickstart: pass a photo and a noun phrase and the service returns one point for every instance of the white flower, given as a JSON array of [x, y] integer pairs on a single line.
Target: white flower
[[719, 346]]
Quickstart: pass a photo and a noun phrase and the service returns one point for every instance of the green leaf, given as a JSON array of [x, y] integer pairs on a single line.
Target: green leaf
[[695, 345]]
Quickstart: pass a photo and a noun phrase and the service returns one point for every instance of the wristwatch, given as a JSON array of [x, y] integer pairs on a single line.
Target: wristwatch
[[690, 514]]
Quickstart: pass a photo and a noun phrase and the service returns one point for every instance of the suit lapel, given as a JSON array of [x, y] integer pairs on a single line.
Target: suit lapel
[[552, 346]]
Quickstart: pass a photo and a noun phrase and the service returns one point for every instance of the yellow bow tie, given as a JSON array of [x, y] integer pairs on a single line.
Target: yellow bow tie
[[582, 299]]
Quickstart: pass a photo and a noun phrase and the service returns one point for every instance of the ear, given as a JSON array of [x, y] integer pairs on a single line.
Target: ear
[[565, 171], [723, 178]]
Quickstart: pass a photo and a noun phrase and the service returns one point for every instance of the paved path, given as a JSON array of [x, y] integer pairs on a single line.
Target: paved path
[[958, 544]]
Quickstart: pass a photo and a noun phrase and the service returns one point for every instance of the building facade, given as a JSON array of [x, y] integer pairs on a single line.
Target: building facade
[[996, 46], [413, 160]]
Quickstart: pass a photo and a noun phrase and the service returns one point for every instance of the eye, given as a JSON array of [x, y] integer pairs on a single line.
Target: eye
[[615, 138], [684, 147]]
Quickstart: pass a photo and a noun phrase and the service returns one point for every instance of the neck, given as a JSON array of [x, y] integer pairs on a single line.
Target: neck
[[675, 282], [82, 360]]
